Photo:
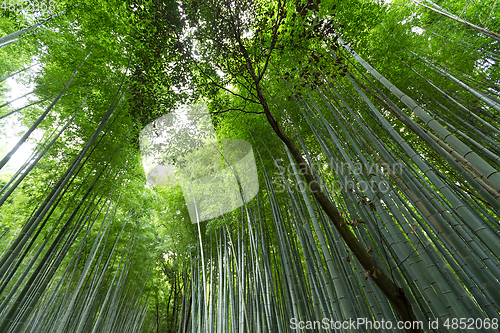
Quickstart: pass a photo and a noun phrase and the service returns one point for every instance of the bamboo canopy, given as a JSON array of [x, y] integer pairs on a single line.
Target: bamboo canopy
[[371, 131]]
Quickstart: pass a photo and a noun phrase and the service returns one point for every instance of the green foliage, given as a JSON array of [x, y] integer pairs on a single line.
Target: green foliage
[[170, 53]]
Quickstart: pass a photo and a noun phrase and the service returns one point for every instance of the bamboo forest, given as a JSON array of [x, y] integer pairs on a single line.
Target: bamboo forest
[[249, 166]]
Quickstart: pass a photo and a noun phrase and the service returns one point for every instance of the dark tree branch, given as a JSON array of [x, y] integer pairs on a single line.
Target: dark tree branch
[[394, 293], [237, 109], [222, 87]]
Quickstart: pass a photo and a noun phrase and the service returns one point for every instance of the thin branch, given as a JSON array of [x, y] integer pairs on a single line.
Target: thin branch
[[271, 48], [237, 109]]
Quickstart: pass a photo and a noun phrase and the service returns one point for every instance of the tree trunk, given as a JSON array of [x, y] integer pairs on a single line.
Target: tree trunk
[[394, 293]]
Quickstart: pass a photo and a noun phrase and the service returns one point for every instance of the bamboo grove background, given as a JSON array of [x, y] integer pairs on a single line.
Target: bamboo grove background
[[396, 114]]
